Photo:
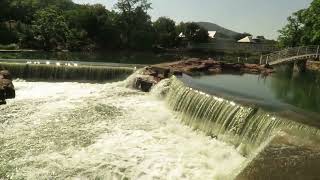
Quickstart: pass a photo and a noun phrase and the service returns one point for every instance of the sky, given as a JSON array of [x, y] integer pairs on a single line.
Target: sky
[[258, 17]]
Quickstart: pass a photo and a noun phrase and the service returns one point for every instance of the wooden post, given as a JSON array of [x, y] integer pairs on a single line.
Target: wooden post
[[260, 59], [306, 50], [267, 59], [298, 51], [317, 52]]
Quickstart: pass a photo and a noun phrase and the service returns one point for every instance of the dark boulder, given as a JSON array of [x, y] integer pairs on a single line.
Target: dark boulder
[[144, 83], [7, 90], [4, 74]]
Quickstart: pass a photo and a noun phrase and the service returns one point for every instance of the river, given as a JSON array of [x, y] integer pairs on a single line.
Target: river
[[103, 131]]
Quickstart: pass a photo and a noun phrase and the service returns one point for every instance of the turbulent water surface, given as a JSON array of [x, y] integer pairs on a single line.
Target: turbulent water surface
[[103, 131]]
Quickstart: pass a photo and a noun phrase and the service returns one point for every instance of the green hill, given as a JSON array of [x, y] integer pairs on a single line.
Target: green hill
[[220, 30]]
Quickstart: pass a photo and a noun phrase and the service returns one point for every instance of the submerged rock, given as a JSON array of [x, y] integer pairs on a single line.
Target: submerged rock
[[7, 90]]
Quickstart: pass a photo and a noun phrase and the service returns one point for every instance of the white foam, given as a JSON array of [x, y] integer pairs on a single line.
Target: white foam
[[144, 140]]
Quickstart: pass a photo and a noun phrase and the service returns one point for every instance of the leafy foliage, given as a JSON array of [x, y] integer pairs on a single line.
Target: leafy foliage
[[165, 29], [62, 24], [50, 29], [303, 27], [194, 32]]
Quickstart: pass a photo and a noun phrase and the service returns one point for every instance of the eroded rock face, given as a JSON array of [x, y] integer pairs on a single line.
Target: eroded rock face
[[7, 90]]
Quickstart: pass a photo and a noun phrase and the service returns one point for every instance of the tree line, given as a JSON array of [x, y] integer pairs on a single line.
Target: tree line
[[303, 27], [64, 25]]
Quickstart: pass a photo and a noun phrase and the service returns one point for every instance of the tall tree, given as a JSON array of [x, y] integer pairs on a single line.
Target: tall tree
[[50, 29], [303, 27], [135, 23], [165, 29], [194, 33], [292, 33]]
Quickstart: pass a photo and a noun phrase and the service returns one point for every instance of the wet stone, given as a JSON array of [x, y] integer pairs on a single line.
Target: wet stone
[[7, 90]]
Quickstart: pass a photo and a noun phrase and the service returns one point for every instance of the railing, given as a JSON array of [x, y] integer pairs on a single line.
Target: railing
[[290, 54]]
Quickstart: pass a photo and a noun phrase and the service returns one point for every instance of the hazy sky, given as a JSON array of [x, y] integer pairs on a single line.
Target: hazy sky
[[259, 17]]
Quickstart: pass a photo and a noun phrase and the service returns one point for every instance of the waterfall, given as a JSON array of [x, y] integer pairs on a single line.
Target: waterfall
[[244, 126], [55, 72]]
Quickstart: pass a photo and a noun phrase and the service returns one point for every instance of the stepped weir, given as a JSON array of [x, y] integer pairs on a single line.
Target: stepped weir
[[276, 146], [272, 146], [66, 73]]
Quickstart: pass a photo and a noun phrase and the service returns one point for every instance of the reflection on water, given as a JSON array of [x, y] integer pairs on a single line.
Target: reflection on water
[[299, 90]]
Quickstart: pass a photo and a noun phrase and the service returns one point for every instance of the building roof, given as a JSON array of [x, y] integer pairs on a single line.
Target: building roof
[[182, 35], [212, 34], [248, 39]]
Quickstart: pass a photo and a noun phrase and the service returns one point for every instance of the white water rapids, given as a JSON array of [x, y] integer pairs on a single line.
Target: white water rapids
[[103, 131]]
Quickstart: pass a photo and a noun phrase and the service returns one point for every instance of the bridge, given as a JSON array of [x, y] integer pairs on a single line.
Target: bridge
[[296, 56]]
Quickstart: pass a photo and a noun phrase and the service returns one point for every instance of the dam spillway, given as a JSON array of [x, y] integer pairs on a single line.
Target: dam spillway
[[78, 130], [66, 73], [226, 119]]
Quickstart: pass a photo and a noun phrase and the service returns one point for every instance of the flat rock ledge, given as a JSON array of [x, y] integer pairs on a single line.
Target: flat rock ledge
[[7, 90], [196, 66], [155, 73]]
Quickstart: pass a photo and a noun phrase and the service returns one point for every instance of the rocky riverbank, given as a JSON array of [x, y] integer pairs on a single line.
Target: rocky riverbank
[[196, 66], [7, 90], [152, 74], [313, 65]]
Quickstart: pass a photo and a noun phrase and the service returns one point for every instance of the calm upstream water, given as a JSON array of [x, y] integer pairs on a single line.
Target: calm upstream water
[[103, 131], [281, 89]]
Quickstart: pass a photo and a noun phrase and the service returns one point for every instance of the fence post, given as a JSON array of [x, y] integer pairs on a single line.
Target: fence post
[[317, 52], [260, 59], [267, 59], [298, 51]]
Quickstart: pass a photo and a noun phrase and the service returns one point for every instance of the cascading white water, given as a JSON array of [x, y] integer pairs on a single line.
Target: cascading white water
[[103, 131], [67, 73], [244, 126]]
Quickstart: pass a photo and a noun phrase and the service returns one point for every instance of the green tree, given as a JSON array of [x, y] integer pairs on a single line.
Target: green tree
[[50, 29], [135, 23], [4, 10], [93, 23], [165, 30], [292, 33], [194, 33], [311, 23], [303, 27]]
